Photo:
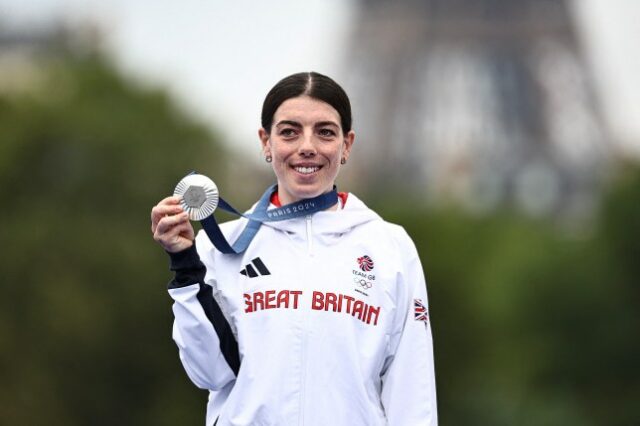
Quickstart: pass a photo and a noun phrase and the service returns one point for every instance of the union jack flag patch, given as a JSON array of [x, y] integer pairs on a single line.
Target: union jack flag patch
[[420, 311]]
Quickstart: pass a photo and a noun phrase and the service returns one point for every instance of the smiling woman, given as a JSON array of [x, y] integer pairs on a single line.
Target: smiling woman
[[311, 137], [283, 333], [307, 147]]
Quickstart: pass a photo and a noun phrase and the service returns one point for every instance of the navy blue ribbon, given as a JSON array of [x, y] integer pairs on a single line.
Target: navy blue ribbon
[[261, 214]]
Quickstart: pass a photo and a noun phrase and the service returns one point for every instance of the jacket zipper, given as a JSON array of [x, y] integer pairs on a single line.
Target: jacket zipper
[[304, 374], [309, 236], [304, 338]]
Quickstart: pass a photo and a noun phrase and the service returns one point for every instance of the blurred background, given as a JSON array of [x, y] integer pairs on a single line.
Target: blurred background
[[503, 135]]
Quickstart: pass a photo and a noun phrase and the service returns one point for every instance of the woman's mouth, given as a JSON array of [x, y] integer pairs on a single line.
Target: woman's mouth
[[306, 170]]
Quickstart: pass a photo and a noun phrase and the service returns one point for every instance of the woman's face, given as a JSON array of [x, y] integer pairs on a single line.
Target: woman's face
[[307, 144]]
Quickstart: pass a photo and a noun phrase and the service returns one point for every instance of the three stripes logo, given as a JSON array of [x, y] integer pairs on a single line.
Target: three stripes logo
[[255, 269]]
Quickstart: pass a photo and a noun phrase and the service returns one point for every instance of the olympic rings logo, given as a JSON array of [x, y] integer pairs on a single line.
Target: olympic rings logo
[[362, 282]]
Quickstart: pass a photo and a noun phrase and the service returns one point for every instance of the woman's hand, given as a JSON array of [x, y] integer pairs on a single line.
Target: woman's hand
[[170, 225]]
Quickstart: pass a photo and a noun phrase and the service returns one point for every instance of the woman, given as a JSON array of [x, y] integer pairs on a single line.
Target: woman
[[322, 320]]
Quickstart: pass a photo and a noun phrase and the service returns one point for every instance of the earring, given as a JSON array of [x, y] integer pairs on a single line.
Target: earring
[[268, 159], [343, 161]]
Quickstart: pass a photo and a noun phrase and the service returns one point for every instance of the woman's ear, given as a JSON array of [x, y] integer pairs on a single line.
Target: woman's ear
[[264, 141], [349, 138]]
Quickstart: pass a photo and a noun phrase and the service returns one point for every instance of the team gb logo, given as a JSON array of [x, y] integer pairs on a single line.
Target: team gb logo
[[365, 263]]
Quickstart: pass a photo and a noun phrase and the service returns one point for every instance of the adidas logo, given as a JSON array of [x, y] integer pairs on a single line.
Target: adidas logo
[[250, 271]]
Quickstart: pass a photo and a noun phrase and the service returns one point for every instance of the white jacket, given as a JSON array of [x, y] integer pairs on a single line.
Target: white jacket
[[322, 321]]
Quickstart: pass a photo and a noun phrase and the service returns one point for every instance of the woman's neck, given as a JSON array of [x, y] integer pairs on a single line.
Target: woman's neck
[[342, 200]]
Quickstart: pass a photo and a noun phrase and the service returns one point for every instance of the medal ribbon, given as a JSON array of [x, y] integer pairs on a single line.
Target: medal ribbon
[[260, 214]]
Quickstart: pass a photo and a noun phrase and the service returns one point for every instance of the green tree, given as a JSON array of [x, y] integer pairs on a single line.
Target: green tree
[[533, 325], [85, 321]]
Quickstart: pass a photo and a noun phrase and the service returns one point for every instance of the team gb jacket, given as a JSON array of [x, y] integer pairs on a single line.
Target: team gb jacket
[[321, 321]]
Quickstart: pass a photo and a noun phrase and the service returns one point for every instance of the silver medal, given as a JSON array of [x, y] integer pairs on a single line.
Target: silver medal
[[198, 195]]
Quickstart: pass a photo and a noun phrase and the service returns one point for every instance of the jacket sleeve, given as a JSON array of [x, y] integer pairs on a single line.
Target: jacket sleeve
[[207, 346], [408, 378]]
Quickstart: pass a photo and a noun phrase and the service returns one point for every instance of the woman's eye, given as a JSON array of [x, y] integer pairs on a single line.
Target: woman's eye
[[287, 132], [326, 133]]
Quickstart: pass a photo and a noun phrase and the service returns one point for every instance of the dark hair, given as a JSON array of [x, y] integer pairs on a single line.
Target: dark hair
[[312, 84]]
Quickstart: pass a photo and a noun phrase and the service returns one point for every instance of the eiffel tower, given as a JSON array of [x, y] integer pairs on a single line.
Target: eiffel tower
[[487, 102]]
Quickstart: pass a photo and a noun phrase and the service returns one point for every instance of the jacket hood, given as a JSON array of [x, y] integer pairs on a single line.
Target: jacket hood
[[330, 224]]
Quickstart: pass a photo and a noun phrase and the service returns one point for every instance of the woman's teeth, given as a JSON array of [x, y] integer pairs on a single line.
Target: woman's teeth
[[307, 170]]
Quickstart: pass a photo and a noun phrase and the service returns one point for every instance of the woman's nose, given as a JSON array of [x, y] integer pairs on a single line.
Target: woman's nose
[[307, 147]]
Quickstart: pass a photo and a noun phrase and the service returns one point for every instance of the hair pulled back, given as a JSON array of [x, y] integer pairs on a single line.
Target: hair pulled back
[[312, 84]]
